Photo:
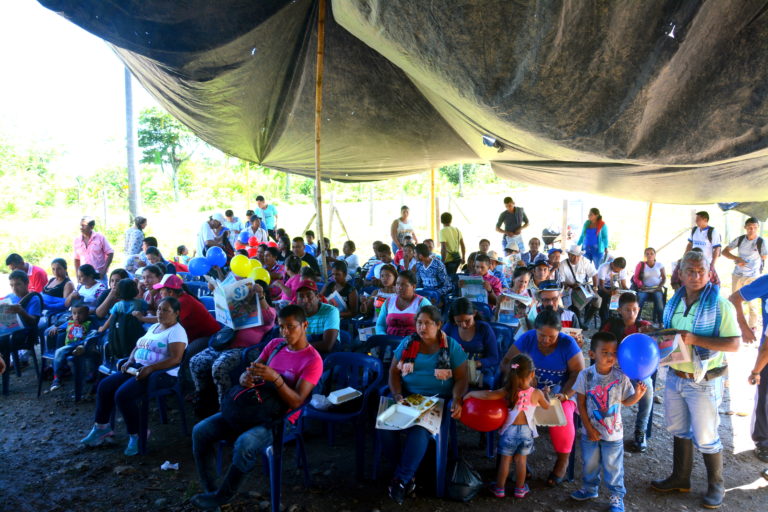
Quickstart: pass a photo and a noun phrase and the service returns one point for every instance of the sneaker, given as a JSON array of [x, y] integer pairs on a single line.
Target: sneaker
[[133, 446], [761, 452], [582, 495], [522, 492], [397, 491], [616, 504], [56, 384], [96, 436], [499, 492]]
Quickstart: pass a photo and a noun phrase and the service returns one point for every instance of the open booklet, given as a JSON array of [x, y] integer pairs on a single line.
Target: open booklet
[[513, 307], [672, 350], [234, 308], [473, 288], [9, 322]]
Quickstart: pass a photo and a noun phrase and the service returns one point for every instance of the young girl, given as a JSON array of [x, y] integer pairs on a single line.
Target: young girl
[[376, 300], [127, 291], [519, 430], [292, 278]]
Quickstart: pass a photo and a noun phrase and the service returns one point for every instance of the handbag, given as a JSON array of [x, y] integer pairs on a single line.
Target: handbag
[[244, 408], [222, 339], [475, 375]]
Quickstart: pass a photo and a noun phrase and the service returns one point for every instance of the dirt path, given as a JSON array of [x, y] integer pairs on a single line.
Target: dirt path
[[43, 469]]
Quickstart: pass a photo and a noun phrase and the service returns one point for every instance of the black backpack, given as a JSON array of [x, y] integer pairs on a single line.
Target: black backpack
[[710, 229], [759, 248], [244, 408], [123, 335]]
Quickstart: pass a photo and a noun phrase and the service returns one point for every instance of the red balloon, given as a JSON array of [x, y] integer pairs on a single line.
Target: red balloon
[[272, 244], [240, 245], [252, 252], [484, 415], [253, 242]]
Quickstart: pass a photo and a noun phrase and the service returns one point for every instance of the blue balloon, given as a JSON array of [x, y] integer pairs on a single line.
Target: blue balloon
[[199, 266], [216, 257], [243, 238], [638, 356]]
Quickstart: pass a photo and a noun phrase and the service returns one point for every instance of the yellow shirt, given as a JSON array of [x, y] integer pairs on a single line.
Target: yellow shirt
[[451, 236]]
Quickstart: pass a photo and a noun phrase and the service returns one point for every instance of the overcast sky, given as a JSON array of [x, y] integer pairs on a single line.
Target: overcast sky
[[61, 87]]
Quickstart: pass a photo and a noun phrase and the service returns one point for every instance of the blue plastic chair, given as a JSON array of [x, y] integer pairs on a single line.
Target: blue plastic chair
[[283, 432], [505, 336], [382, 347], [359, 371], [159, 394], [207, 301], [20, 340], [484, 309], [444, 439], [429, 293], [198, 288], [343, 342]]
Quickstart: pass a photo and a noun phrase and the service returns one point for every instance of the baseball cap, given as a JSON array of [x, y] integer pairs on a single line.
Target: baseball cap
[[550, 285], [541, 263], [555, 249], [306, 283], [171, 281], [219, 217]]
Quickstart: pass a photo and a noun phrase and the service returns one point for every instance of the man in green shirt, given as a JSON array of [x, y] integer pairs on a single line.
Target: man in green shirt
[[694, 390]]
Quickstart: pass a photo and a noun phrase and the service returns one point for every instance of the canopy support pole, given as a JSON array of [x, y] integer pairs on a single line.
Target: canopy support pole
[[648, 224], [134, 184], [432, 204], [318, 118], [564, 230]]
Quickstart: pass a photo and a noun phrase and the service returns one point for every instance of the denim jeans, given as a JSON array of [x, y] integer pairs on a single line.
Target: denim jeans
[[607, 456], [691, 410], [658, 303], [416, 443], [247, 452], [644, 407]]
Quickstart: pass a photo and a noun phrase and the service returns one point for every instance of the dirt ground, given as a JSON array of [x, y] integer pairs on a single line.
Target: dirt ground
[[44, 469]]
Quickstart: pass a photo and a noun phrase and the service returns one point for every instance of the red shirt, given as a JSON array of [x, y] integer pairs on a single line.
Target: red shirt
[[37, 278], [195, 319], [494, 281], [615, 323]]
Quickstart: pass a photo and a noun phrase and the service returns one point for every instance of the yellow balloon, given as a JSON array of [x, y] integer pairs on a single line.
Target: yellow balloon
[[304, 264], [255, 263], [240, 265], [260, 274]]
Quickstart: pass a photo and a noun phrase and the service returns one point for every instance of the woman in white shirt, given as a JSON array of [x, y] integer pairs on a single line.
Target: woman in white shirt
[[649, 282], [400, 229], [161, 348]]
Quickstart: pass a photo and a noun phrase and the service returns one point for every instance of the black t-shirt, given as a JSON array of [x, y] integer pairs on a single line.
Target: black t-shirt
[[512, 221]]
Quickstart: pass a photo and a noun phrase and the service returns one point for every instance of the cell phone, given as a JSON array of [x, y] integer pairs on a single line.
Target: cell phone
[[132, 371]]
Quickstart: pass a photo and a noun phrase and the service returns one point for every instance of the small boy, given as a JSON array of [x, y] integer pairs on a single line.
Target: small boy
[[76, 329], [310, 246], [182, 255], [492, 283], [601, 390], [628, 323]]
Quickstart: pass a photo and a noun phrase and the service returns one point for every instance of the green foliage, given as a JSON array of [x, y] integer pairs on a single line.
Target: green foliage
[[451, 172]]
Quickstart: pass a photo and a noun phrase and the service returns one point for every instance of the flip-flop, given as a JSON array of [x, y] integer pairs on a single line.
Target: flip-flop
[[553, 480]]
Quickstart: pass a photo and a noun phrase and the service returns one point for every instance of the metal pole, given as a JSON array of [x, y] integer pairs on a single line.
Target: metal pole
[[432, 203], [134, 185], [648, 225], [318, 118]]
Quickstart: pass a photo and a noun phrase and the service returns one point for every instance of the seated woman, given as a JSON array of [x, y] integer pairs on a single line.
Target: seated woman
[[475, 336], [161, 348], [342, 286], [293, 366], [155, 257], [374, 302], [284, 246], [150, 276], [59, 286], [211, 368], [398, 313], [29, 306], [648, 280], [521, 280], [89, 290], [558, 361], [429, 363], [111, 298]]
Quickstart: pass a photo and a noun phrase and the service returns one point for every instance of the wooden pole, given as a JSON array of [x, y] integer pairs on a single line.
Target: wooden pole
[[432, 203], [564, 231], [648, 225], [134, 183], [318, 118]]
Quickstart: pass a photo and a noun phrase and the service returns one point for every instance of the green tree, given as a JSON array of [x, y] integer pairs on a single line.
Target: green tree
[[165, 142]]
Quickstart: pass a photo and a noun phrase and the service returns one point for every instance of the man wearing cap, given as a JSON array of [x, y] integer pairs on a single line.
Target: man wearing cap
[[323, 319], [514, 220], [540, 274], [548, 296], [92, 248], [577, 271], [207, 235]]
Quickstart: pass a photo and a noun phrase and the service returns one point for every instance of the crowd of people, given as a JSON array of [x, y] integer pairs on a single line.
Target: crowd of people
[[417, 292]]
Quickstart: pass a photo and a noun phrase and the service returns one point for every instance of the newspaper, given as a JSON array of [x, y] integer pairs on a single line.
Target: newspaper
[[672, 350], [513, 307], [430, 420], [335, 299], [9, 322], [233, 306], [473, 288], [615, 298]]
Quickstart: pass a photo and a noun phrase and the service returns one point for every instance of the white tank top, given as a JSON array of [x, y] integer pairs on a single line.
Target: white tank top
[[403, 229]]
